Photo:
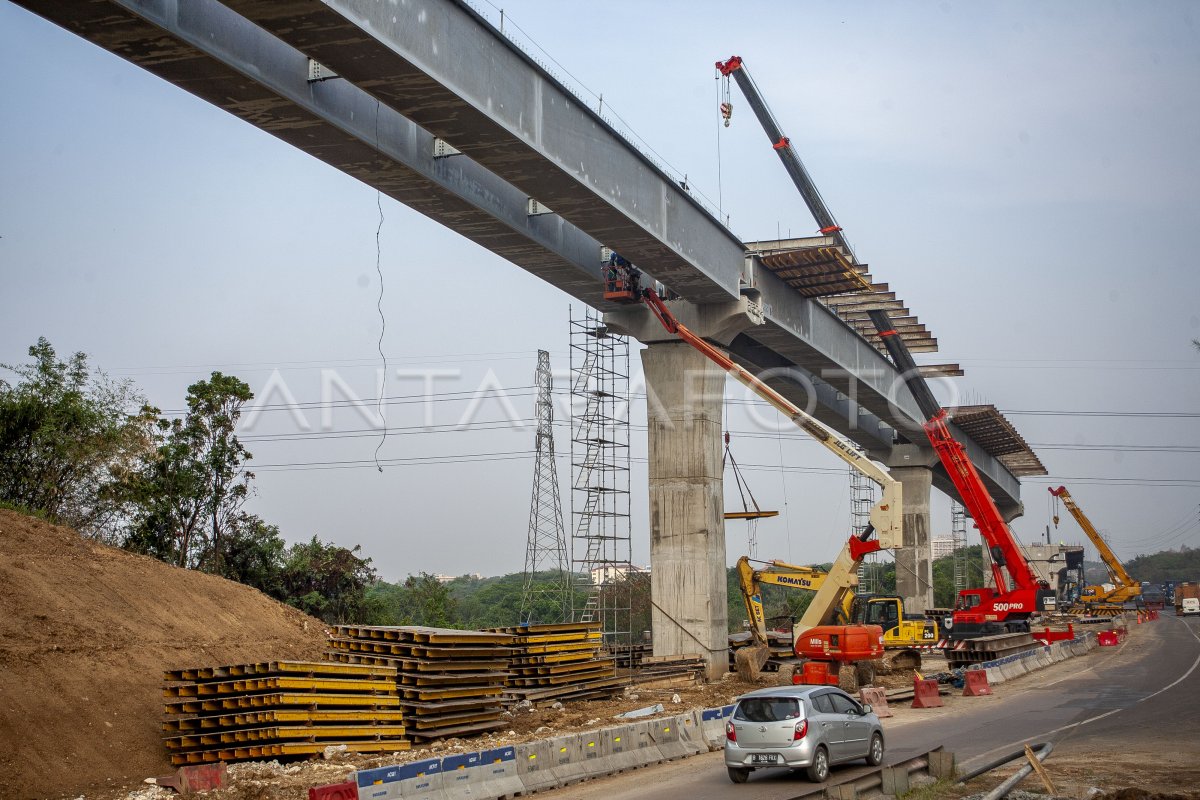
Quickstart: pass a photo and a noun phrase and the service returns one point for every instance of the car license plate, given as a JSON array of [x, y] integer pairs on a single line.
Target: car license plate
[[763, 758]]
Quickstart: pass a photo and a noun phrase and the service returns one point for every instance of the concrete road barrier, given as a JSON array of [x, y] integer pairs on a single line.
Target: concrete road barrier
[[567, 756], [500, 778], [535, 766], [664, 733], [382, 783], [462, 776], [421, 779], [690, 734]]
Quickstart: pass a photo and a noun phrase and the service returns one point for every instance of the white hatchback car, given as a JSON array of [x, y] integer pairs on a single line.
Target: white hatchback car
[[800, 727]]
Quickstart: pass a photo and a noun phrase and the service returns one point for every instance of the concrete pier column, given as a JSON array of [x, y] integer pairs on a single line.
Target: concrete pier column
[[914, 563], [687, 528]]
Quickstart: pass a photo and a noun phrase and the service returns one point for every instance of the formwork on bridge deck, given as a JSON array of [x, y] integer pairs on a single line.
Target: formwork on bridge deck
[[280, 708]]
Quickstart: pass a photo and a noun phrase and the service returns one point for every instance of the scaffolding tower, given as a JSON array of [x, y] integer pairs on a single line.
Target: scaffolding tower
[[546, 591], [958, 535], [862, 500], [601, 542]]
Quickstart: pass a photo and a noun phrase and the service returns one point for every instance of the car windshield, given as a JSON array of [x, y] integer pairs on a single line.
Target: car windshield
[[768, 709]]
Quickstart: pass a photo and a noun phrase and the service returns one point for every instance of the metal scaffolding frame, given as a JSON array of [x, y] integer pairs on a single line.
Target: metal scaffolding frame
[[601, 541], [958, 533], [546, 598], [862, 500]]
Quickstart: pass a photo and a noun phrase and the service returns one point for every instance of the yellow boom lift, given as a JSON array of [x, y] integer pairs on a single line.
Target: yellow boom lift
[[1100, 600], [816, 635]]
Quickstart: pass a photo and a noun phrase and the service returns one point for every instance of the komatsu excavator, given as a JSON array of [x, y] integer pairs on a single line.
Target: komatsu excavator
[[903, 633]]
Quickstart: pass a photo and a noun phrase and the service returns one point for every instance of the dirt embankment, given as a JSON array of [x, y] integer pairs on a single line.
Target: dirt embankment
[[85, 634]]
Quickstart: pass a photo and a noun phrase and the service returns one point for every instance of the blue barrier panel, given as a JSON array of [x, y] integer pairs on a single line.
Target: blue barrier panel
[[382, 783], [500, 778], [422, 778], [462, 776]]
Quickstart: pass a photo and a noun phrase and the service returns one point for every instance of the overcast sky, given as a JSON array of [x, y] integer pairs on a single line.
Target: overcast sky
[[1024, 175]]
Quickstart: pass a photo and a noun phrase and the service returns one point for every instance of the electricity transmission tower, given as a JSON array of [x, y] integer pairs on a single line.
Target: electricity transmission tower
[[546, 593]]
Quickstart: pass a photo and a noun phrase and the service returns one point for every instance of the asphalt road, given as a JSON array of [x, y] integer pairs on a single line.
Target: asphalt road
[[1081, 704]]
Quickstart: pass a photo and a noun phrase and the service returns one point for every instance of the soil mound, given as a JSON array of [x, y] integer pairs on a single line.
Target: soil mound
[[85, 634]]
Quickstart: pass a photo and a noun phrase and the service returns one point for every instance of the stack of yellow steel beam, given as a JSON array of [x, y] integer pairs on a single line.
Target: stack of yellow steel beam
[[275, 709], [450, 681], [560, 662]]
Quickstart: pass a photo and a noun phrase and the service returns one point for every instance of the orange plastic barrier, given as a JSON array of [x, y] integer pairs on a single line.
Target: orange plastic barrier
[[877, 699], [925, 694], [977, 683]]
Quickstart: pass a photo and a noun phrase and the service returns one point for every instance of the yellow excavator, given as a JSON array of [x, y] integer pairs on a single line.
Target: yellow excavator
[[902, 632], [1100, 600]]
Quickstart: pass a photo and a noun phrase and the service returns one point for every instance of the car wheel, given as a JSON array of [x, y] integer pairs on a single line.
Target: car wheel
[[818, 770], [738, 774], [875, 754]]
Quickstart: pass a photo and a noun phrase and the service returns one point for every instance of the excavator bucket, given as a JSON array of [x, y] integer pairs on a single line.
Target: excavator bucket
[[750, 660]]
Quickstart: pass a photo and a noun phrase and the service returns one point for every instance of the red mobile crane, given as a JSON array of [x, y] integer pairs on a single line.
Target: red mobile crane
[[978, 612]]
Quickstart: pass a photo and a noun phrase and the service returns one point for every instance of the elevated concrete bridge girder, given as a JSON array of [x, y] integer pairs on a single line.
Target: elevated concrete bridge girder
[[522, 136]]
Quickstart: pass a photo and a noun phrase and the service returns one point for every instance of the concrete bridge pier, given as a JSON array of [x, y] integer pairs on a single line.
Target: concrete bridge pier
[[684, 402], [687, 528], [913, 467]]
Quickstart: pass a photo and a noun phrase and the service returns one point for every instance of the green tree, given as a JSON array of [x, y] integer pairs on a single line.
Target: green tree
[[944, 593], [67, 439], [191, 493], [253, 553], [328, 581], [420, 600]]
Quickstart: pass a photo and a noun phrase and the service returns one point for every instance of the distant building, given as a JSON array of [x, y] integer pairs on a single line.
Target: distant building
[[448, 578], [607, 573], [942, 547]]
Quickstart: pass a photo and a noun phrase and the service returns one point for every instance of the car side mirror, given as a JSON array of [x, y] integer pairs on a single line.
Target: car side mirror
[[866, 708]]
